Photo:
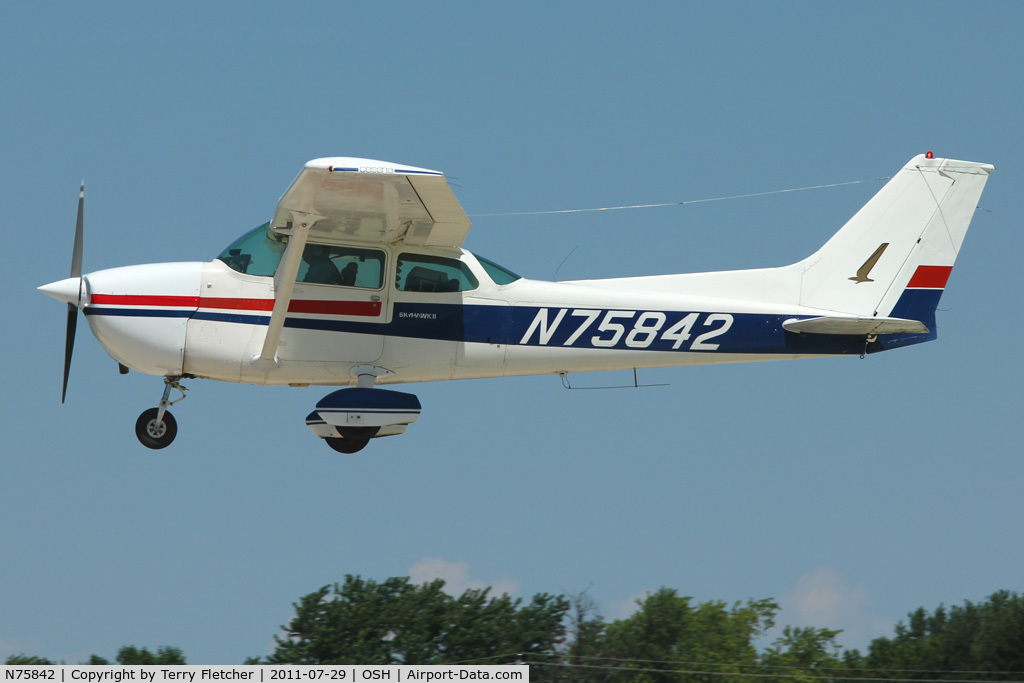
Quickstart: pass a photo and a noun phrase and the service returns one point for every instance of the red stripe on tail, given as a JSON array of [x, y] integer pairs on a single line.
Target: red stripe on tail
[[930, 277]]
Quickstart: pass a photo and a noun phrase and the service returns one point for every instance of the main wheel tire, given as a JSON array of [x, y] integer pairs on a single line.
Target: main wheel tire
[[358, 433], [153, 434], [346, 445]]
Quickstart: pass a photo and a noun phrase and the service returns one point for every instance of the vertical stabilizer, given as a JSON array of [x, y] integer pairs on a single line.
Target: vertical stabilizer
[[905, 239]]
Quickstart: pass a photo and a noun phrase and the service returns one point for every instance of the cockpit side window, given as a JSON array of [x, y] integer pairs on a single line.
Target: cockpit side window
[[345, 266], [423, 273], [257, 252]]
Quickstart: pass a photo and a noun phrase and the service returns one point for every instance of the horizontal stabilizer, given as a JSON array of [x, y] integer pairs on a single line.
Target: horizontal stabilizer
[[855, 326]]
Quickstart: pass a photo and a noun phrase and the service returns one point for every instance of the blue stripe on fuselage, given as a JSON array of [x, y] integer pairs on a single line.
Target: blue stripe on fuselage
[[568, 327], [139, 312]]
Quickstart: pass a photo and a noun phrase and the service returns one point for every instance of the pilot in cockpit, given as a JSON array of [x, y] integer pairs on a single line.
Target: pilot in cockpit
[[321, 269], [348, 274]]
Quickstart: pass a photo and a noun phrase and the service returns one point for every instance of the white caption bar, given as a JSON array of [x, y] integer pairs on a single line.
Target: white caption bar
[[264, 673]]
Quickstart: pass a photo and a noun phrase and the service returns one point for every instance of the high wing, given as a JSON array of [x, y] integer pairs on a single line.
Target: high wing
[[375, 202], [357, 200]]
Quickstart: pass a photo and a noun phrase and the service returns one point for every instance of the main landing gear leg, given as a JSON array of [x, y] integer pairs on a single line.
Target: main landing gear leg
[[156, 427]]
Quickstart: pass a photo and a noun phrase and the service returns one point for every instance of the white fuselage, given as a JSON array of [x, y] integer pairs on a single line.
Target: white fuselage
[[207, 320]]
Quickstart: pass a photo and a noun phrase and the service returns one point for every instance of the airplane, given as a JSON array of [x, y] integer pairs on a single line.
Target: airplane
[[359, 280]]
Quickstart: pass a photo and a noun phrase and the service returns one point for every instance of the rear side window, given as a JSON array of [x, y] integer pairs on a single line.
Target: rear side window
[[500, 274], [422, 273]]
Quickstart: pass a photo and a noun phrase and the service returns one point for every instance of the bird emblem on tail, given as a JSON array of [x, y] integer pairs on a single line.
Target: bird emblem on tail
[[862, 272]]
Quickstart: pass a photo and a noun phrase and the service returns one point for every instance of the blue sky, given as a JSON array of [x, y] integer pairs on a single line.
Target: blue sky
[[851, 491]]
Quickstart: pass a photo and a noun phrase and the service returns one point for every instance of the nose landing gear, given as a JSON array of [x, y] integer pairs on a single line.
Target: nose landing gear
[[156, 427]]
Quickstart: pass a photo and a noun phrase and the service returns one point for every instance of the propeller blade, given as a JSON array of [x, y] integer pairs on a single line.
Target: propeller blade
[[76, 254], [69, 346], [76, 271]]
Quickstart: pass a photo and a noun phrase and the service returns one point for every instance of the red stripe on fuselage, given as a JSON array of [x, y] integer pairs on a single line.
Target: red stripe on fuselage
[[237, 304], [357, 308], [143, 300], [930, 277], [364, 308]]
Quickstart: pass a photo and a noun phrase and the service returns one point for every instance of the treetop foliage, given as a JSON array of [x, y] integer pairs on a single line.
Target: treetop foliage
[[27, 660], [129, 654], [398, 622], [670, 638], [985, 637]]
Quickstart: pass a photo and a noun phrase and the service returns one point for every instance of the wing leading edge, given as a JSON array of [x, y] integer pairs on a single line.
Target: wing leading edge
[[373, 202]]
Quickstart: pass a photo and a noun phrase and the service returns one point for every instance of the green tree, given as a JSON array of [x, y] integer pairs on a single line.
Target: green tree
[[27, 660], [979, 637], [586, 643], [398, 622], [999, 645], [669, 633], [129, 654], [804, 652]]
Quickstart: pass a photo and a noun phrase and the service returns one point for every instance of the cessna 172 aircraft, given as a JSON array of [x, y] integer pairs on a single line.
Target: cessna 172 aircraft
[[359, 280]]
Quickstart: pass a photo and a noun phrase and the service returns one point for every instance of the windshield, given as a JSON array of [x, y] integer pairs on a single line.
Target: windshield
[[256, 252]]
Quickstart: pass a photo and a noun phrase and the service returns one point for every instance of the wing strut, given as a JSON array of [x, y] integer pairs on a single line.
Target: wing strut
[[284, 285]]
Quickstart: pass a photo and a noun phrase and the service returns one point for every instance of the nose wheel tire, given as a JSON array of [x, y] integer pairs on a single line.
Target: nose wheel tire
[[153, 434]]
